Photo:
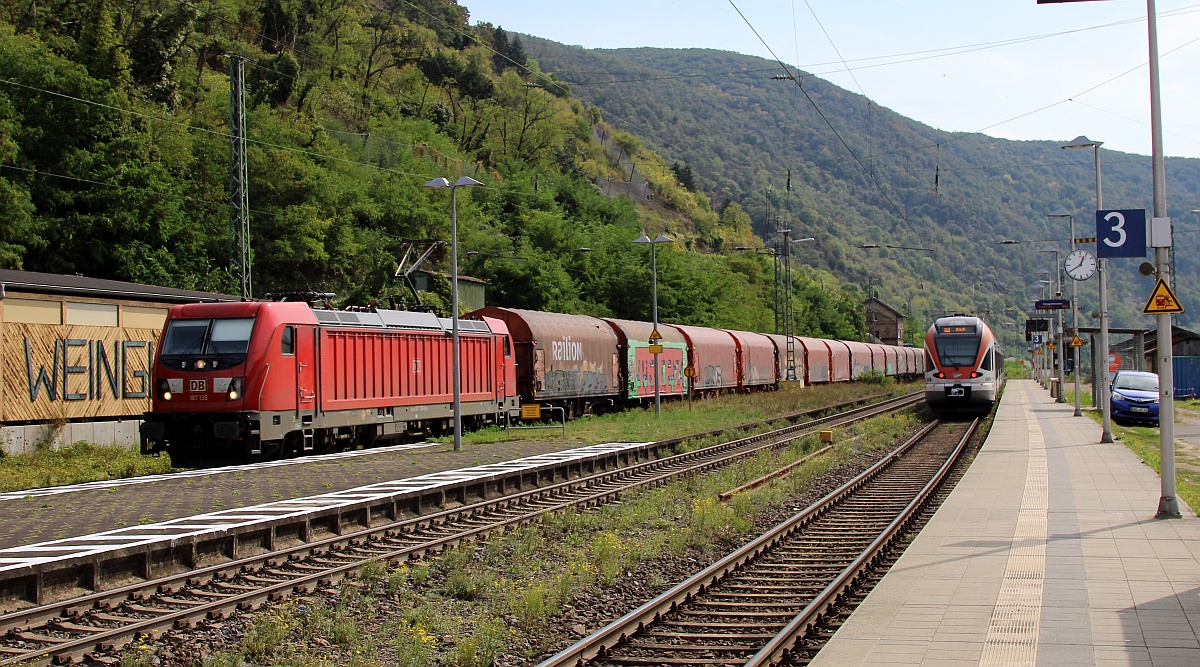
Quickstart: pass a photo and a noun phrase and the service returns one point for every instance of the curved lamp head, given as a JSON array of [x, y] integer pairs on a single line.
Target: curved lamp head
[[662, 238], [1060, 213], [1082, 142], [441, 183]]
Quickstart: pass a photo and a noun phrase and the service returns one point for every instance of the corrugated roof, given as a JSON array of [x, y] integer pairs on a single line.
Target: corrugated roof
[[52, 283]]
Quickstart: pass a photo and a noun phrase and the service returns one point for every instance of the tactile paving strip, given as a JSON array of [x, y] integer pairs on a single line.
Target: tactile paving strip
[[1012, 635]]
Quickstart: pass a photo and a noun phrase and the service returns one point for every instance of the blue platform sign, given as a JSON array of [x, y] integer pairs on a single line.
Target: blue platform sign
[[1052, 304], [1121, 233]]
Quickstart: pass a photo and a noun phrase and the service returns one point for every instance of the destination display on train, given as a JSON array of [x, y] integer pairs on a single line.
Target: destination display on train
[[957, 328]]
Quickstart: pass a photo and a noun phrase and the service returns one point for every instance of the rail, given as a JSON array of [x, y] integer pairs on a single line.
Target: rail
[[73, 628]]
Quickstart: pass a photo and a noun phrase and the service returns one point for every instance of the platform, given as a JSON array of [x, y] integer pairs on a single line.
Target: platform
[[1046, 553]]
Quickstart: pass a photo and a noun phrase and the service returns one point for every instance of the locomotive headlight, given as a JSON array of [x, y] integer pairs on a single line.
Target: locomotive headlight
[[164, 389], [235, 389], [201, 364]]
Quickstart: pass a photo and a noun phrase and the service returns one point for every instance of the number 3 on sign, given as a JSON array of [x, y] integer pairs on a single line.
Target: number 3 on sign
[[1118, 226], [1121, 233]]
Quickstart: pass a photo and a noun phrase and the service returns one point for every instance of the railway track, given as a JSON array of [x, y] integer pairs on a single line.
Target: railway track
[[764, 603], [97, 624]]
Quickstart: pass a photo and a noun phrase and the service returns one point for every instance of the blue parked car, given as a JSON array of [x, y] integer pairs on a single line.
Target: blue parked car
[[1135, 397]]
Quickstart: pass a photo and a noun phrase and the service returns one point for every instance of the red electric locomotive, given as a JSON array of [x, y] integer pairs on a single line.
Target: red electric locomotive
[[282, 377]]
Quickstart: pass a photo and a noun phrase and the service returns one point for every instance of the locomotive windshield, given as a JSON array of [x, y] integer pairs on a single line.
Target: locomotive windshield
[[957, 350], [209, 337]]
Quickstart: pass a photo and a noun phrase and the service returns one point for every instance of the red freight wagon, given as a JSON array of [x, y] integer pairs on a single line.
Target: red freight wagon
[[260, 377], [883, 358], [781, 358], [637, 363], [911, 361], [713, 354], [817, 360], [840, 364], [567, 360], [902, 361], [860, 358], [756, 360]]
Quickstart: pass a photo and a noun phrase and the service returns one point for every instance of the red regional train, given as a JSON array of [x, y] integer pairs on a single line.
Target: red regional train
[[282, 377], [965, 365]]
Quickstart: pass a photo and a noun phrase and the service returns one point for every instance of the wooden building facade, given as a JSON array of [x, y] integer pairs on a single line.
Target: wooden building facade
[[76, 356]]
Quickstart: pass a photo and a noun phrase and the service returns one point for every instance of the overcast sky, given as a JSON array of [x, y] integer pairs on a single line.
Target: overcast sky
[[1009, 68]]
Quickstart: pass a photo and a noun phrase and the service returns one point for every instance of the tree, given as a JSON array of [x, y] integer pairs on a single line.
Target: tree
[[683, 174]]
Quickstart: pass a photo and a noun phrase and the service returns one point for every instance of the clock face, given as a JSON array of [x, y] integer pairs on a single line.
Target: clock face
[[1080, 264]]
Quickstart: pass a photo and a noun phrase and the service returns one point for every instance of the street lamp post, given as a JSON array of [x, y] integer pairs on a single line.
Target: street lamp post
[[1047, 364], [442, 184], [1102, 271], [661, 238], [1056, 281], [1063, 213]]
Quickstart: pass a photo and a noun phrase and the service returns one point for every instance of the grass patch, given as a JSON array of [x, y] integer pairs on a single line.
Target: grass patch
[[707, 414], [77, 463]]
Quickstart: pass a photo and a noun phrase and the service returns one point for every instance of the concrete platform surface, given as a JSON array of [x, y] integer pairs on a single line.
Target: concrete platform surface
[[1046, 553]]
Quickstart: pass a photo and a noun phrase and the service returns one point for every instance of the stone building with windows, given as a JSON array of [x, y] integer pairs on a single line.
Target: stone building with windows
[[884, 324]]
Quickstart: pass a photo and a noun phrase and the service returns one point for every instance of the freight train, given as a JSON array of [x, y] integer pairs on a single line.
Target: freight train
[[282, 377], [965, 366]]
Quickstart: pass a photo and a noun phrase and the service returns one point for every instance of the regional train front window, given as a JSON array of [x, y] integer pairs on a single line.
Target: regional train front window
[[958, 350], [208, 337]]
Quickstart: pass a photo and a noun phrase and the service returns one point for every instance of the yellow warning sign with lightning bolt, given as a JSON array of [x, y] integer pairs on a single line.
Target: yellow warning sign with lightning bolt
[[1162, 301]]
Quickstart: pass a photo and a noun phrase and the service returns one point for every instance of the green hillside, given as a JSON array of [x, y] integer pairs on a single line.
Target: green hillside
[[879, 179], [114, 163]]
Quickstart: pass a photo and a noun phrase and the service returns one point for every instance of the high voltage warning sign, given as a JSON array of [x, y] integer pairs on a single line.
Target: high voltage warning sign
[[1162, 301]]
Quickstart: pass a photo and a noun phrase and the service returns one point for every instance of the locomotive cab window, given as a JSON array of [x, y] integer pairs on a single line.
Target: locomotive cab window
[[208, 337], [958, 349], [288, 345], [507, 349]]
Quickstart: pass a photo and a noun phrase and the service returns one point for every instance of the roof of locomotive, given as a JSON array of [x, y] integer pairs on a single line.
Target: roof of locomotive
[[958, 320], [374, 318]]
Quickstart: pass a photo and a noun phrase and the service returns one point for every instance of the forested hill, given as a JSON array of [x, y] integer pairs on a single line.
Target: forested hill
[[115, 162], [880, 178]]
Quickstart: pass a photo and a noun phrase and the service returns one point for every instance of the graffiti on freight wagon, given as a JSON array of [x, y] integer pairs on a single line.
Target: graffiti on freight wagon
[[670, 379]]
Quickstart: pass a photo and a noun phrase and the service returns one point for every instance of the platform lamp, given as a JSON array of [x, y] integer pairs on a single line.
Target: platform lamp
[[442, 184], [1056, 285], [1064, 213], [1045, 374], [661, 238], [1102, 271]]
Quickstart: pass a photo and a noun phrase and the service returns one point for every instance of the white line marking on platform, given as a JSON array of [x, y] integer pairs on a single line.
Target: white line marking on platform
[[216, 522], [202, 472]]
